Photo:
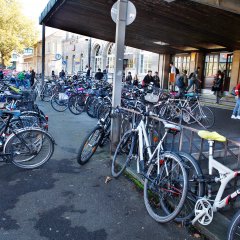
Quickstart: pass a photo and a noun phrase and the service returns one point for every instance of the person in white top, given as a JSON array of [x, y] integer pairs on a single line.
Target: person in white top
[[173, 68]]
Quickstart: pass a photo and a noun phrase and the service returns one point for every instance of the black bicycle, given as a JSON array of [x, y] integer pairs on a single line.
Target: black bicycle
[[96, 138], [25, 147]]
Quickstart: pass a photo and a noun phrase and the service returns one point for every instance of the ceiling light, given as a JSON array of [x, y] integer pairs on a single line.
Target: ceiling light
[[161, 43]]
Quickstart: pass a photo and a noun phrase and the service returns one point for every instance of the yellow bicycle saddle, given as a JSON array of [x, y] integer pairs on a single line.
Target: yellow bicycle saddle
[[213, 136]]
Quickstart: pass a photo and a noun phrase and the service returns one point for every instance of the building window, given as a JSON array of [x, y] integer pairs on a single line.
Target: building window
[[130, 60], [111, 58], [182, 63], [211, 65], [98, 58], [145, 63]]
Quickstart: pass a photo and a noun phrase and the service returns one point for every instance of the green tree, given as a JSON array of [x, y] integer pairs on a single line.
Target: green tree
[[16, 30]]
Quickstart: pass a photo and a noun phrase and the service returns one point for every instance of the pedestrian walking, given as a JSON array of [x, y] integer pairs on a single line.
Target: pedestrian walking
[[99, 75], [105, 73], [181, 83], [148, 79], [175, 72], [194, 80], [1, 74], [135, 80], [62, 74], [156, 80], [88, 73], [33, 75], [236, 110], [217, 86], [129, 79]]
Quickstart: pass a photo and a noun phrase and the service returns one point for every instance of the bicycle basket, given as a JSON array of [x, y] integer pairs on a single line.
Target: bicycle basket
[[152, 98]]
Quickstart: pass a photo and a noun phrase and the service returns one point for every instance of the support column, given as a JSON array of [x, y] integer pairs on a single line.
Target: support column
[[164, 60], [118, 73], [235, 74], [43, 52]]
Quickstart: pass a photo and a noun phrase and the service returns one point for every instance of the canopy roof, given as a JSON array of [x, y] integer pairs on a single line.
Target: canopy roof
[[160, 26]]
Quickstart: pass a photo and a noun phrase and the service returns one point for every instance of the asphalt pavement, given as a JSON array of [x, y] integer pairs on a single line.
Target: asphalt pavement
[[62, 200]]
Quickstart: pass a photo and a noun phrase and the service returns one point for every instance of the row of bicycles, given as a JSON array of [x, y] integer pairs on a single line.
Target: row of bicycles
[[95, 98], [175, 186], [24, 137]]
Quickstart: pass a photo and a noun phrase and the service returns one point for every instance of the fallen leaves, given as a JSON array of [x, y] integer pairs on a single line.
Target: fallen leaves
[[108, 179]]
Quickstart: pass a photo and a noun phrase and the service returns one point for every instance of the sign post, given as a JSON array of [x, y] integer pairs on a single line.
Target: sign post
[[123, 13]]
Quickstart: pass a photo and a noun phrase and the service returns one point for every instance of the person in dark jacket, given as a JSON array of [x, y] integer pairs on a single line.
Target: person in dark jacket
[[33, 75], [1, 74], [99, 75], [156, 80], [217, 86], [148, 79], [62, 74], [129, 78]]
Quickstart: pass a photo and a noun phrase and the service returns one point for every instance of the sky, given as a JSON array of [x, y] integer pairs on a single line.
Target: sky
[[33, 9]]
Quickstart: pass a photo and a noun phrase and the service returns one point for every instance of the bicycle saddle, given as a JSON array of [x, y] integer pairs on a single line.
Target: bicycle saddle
[[213, 136]]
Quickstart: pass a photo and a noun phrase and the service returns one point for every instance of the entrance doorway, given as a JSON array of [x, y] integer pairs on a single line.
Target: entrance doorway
[[217, 61], [228, 71]]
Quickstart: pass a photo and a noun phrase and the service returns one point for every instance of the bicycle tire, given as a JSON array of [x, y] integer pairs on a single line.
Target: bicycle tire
[[57, 104], [196, 187], [120, 161], [234, 228], [99, 130], [46, 94], [91, 107], [76, 104], [206, 118], [154, 184], [29, 148], [103, 110]]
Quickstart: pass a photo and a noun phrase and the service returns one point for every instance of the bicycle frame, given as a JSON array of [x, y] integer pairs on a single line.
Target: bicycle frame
[[226, 175], [143, 138]]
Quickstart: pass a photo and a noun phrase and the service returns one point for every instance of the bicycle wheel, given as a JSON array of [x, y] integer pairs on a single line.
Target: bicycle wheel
[[90, 145], [205, 116], [91, 107], [234, 228], [46, 93], [59, 102], [29, 148], [76, 104], [166, 190], [103, 110], [40, 118], [196, 187], [123, 154]]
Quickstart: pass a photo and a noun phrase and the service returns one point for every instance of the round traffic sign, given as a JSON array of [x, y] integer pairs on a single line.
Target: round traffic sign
[[131, 12]]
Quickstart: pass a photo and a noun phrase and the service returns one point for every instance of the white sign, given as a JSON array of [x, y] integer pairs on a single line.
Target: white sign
[[131, 12]]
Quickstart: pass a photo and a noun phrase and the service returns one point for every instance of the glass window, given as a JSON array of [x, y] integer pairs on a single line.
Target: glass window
[[98, 58], [182, 62], [111, 58], [145, 63]]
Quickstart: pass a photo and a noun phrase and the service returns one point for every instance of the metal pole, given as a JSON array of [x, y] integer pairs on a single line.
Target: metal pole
[[43, 53], [118, 73]]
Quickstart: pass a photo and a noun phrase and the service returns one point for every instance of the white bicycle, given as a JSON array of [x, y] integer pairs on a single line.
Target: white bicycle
[[166, 183], [206, 205]]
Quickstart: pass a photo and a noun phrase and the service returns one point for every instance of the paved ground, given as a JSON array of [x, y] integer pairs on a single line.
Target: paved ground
[[63, 201]]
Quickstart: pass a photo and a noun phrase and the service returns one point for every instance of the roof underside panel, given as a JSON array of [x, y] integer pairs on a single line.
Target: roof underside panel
[[160, 26]]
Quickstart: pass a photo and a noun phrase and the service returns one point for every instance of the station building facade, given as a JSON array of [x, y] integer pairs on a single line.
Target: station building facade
[[71, 52]]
